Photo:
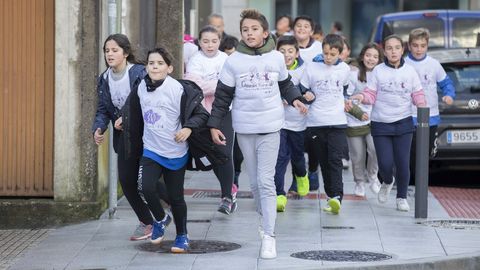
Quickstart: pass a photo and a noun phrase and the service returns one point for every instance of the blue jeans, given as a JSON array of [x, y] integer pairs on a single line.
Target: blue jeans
[[291, 149]]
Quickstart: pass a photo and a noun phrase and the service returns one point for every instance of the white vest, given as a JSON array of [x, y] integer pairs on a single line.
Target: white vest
[[309, 53], [120, 89]]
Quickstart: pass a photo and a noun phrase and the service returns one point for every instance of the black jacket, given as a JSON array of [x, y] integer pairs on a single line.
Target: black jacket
[[106, 111], [204, 154]]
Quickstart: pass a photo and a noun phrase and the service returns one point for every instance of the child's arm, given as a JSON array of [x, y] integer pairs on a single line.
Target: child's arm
[[223, 99], [208, 86], [307, 94], [292, 94], [448, 90]]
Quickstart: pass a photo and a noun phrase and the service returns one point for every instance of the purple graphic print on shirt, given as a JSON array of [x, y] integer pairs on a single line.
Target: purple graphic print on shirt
[[151, 117]]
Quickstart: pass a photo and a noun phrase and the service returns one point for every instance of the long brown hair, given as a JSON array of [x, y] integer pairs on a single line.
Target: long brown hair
[[362, 69]]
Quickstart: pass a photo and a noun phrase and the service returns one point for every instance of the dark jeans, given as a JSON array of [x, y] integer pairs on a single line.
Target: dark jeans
[[312, 158], [291, 149], [393, 151], [128, 174], [329, 146], [225, 172], [148, 175]]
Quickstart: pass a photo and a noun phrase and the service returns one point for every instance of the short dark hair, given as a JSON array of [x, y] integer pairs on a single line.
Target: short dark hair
[[318, 29], [284, 16], [167, 57], [347, 43], [334, 41], [287, 40], [338, 25], [253, 14], [208, 29], [228, 43], [305, 18]]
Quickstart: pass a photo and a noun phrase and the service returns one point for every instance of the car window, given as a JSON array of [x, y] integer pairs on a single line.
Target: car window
[[403, 28], [466, 32], [465, 77]]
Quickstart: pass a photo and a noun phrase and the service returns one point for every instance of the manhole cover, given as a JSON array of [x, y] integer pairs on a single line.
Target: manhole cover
[[196, 246], [458, 224], [337, 228], [341, 256], [218, 194]]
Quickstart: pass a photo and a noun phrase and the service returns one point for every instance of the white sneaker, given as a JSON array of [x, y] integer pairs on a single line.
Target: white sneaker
[[402, 205], [268, 249], [359, 189], [375, 186], [384, 192]]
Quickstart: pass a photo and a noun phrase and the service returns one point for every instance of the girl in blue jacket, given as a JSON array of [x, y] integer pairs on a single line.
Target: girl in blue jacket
[[114, 86]]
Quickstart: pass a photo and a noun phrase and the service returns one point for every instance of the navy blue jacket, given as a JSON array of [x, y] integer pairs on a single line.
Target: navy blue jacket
[[106, 111]]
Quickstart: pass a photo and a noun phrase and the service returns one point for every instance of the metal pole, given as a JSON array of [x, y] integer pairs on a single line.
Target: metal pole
[[114, 16], [421, 163]]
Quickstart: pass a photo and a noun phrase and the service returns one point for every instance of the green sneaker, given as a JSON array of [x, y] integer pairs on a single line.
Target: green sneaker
[[281, 203], [303, 185], [335, 205]]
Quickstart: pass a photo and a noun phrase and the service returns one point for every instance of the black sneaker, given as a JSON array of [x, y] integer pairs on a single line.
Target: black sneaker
[[225, 206]]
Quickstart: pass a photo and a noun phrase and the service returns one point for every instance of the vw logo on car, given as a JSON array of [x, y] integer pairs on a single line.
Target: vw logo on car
[[473, 104]]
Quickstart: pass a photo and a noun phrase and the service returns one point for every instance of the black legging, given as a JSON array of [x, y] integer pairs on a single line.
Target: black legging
[[237, 160], [128, 174], [224, 172], [149, 173]]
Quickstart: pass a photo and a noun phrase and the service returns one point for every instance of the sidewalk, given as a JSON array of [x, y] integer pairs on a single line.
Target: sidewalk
[[363, 225]]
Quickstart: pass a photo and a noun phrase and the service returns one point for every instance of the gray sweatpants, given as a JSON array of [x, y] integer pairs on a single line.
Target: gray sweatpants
[[260, 156], [364, 170]]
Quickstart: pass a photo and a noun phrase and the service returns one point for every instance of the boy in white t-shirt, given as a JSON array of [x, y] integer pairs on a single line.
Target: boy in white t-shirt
[[253, 80], [328, 77], [431, 75]]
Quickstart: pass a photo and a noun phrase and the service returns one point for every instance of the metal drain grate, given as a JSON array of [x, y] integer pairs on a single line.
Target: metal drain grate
[[218, 194], [14, 243], [457, 224], [341, 256], [196, 246]]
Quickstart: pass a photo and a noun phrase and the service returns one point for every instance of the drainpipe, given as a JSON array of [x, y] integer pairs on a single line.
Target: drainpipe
[[114, 26]]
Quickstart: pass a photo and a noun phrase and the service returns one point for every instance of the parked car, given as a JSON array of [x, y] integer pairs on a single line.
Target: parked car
[[459, 131], [448, 28]]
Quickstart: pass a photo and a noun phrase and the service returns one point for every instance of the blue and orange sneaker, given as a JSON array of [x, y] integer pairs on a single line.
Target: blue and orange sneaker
[[181, 244], [159, 229]]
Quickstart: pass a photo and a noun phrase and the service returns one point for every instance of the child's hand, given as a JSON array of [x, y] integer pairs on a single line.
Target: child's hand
[[300, 106], [448, 100], [364, 117], [309, 96], [348, 105], [118, 124], [98, 136], [218, 137], [182, 135]]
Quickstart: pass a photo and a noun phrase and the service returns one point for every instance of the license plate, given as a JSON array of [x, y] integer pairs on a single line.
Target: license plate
[[463, 136]]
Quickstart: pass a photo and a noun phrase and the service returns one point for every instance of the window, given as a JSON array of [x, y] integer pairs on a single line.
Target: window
[[403, 28], [466, 33]]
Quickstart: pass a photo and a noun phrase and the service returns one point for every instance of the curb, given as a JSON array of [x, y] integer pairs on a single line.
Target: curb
[[467, 261]]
